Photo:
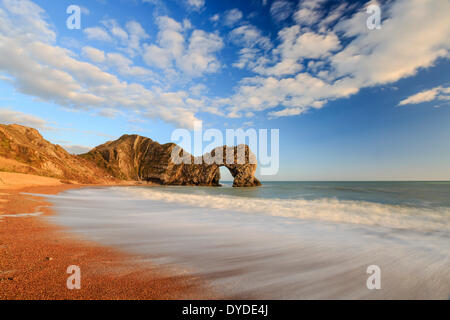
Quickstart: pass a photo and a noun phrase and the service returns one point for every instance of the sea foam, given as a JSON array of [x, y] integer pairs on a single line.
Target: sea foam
[[435, 219], [267, 248]]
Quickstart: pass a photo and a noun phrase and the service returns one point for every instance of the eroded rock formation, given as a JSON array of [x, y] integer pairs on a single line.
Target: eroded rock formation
[[133, 157], [24, 150]]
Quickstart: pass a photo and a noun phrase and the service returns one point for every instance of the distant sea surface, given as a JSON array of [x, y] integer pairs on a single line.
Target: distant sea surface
[[284, 240]]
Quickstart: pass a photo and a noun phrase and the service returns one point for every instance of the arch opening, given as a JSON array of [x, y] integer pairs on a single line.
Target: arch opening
[[226, 177]]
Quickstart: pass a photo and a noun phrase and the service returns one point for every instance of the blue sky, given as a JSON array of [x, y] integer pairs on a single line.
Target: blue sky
[[350, 103]]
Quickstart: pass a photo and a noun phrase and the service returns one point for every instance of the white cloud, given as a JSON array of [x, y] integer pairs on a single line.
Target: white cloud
[[298, 93], [116, 30], [29, 16], [94, 54], [171, 44], [8, 116], [98, 34], [253, 45], [193, 57], [308, 12], [196, 4], [281, 10], [394, 52], [297, 45], [125, 66], [319, 59], [231, 17], [215, 18], [335, 14], [249, 36], [53, 74], [109, 113], [247, 58], [116, 60], [198, 89], [157, 57], [287, 58], [199, 57], [437, 93], [187, 24], [129, 38], [414, 35], [136, 34]]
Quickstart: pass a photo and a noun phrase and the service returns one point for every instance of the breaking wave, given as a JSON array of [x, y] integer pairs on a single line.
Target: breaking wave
[[326, 209]]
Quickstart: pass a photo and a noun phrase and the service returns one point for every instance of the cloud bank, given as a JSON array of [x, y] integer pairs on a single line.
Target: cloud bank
[[318, 55]]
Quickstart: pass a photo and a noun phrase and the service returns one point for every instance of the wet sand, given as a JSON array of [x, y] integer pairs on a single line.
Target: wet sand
[[35, 254]]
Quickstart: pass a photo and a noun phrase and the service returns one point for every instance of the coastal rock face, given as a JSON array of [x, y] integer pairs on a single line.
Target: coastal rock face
[[24, 150], [133, 157], [129, 158], [239, 160]]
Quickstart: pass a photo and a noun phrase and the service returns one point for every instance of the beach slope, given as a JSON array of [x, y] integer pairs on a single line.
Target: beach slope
[[35, 255]]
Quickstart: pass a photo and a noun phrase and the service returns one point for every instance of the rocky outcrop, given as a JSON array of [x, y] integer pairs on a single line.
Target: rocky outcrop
[[239, 160], [133, 157], [24, 150], [130, 158]]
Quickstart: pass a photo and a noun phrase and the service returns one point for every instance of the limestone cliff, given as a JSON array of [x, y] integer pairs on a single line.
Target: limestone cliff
[[133, 157], [24, 150]]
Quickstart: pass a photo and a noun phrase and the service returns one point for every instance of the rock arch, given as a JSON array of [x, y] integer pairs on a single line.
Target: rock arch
[[134, 157], [239, 160]]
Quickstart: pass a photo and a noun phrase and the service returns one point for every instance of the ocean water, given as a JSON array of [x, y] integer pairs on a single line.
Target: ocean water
[[284, 240]]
